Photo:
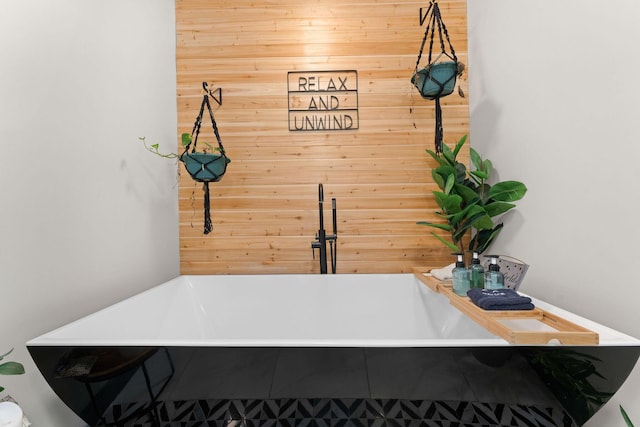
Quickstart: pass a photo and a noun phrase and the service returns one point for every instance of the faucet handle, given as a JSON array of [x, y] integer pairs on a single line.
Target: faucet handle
[[314, 245]]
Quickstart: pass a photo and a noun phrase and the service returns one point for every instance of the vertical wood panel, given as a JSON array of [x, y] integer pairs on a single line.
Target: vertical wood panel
[[264, 210]]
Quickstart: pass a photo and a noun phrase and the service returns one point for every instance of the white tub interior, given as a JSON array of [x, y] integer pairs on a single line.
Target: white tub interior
[[289, 310]]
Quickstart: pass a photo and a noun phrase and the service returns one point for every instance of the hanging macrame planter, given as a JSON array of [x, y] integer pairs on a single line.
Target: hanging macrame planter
[[205, 167], [436, 80], [438, 77]]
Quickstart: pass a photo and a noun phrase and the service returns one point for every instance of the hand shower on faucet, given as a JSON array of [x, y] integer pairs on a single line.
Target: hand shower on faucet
[[333, 238]]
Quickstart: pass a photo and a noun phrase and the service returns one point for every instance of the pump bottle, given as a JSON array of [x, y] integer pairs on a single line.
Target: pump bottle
[[460, 277], [477, 272], [493, 279]]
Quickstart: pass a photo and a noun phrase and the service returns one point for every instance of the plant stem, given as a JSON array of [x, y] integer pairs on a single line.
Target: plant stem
[[154, 149]]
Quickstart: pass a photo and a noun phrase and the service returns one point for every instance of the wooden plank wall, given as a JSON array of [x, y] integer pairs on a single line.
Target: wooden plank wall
[[265, 209]]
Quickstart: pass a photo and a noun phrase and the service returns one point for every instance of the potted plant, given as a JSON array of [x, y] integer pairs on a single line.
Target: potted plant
[[214, 163], [436, 80], [10, 368], [467, 202], [204, 166], [10, 412]]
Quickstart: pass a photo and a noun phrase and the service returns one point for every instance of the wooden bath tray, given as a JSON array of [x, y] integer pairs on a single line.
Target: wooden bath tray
[[535, 326]]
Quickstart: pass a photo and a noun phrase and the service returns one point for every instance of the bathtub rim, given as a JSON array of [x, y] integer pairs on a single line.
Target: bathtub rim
[[608, 336]]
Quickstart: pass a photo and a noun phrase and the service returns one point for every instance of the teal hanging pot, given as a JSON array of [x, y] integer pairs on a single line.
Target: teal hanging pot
[[436, 80], [205, 167]]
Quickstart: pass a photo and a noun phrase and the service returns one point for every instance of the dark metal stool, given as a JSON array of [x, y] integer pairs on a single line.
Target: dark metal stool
[[111, 363]]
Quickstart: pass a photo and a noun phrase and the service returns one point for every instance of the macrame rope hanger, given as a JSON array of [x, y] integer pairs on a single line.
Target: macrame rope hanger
[[207, 169], [438, 78]]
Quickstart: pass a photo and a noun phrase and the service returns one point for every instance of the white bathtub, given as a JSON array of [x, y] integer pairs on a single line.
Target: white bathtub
[[310, 338], [279, 310]]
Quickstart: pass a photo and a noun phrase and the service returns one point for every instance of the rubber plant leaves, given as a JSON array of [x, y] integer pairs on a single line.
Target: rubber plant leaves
[[467, 202], [626, 418]]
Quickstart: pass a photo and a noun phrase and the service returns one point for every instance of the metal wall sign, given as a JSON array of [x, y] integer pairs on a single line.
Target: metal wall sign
[[323, 100]]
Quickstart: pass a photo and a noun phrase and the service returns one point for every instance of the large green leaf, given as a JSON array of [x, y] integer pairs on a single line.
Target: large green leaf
[[484, 238], [11, 368], [445, 171], [479, 217], [461, 173], [497, 208], [476, 217], [445, 227], [447, 154], [481, 175], [450, 245], [435, 156], [449, 203], [507, 191], [476, 160], [484, 222], [459, 145], [460, 232], [448, 185], [468, 195], [443, 215], [461, 216], [626, 418], [487, 166], [437, 178]]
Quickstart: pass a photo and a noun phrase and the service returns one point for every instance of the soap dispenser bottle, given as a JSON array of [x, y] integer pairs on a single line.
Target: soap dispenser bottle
[[460, 277], [477, 272], [493, 279]]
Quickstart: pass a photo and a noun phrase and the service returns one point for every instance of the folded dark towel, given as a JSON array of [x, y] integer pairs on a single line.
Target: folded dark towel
[[499, 299]]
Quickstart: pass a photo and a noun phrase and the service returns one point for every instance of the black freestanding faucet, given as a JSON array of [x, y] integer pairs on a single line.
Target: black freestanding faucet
[[321, 236]]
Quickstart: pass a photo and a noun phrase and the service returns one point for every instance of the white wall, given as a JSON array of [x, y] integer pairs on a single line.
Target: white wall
[[554, 104], [87, 217]]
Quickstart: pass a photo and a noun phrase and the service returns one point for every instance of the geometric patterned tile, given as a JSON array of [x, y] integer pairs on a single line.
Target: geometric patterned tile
[[342, 413]]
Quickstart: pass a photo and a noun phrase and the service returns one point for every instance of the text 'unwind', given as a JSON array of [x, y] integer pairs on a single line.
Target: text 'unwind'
[[323, 100]]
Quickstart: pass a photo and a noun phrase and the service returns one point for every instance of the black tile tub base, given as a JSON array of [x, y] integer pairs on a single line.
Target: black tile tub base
[[347, 413], [370, 386]]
